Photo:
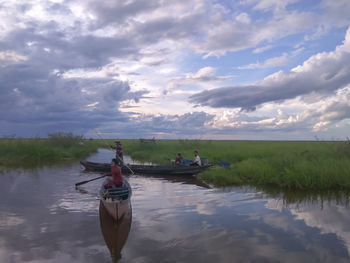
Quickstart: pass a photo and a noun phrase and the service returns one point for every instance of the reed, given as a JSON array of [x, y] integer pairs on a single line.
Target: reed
[[25, 153], [290, 165], [301, 165]]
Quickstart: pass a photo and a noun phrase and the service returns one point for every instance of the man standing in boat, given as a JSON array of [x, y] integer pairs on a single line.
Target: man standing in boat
[[118, 151], [116, 173], [197, 159]]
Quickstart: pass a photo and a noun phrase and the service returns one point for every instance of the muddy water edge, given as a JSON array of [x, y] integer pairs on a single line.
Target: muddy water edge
[[43, 218]]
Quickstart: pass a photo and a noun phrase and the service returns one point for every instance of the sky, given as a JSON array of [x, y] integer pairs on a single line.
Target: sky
[[194, 69]]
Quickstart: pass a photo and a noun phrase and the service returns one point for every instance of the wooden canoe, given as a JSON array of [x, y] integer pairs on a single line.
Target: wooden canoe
[[116, 200], [147, 169]]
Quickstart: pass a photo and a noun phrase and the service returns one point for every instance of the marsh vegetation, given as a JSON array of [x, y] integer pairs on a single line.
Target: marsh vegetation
[[317, 165], [304, 165], [58, 147]]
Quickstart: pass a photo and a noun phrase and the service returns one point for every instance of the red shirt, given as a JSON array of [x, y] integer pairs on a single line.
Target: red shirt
[[117, 178], [179, 159]]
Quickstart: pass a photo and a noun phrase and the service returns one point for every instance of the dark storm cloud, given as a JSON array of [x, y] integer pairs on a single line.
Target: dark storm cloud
[[35, 92], [59, 99], [186, 27], [159, 25], [77, 52], [99, 50], [34, 96], [164, 126], [58, 8], [236, 97], [110, 12]]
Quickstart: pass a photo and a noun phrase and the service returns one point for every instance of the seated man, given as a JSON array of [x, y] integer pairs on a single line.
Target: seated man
[[178, 159], [116, 173], [197, 159]]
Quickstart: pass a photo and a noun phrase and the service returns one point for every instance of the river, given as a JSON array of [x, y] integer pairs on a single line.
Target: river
[[43, 218]]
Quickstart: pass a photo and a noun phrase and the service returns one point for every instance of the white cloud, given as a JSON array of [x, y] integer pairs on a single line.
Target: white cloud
[[262, 49], [202, 76], [269, 63], [243, 18], [9, 57], [282, 60]]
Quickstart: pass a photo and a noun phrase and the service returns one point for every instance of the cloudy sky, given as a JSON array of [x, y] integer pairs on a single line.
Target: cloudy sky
[[201, 69]]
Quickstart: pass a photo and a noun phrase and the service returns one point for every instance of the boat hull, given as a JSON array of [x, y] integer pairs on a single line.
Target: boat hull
[[116, 209], [116, 201], [147, 169]]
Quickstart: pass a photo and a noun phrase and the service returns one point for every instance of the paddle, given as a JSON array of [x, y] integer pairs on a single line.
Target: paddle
[[84, 182]]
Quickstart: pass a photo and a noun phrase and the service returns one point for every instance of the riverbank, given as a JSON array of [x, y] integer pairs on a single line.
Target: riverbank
[[301, 165], [282, 164], [36, 152]]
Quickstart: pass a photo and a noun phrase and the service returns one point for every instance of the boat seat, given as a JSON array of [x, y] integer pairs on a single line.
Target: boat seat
[[118, 193]]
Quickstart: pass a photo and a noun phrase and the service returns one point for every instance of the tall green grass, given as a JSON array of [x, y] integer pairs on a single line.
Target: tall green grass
[[283, 164], [16, 152], [274, 164]]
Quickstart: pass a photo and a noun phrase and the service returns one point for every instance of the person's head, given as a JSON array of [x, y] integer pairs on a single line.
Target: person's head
[[117, 141], [114, 162], [195, 153], [179, 154]]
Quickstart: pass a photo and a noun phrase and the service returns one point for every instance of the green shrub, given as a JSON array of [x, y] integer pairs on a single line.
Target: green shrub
[[62, 139]]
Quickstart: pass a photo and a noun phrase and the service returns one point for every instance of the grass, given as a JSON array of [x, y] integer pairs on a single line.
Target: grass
[[283, 164], [58, 147], [271, 164]]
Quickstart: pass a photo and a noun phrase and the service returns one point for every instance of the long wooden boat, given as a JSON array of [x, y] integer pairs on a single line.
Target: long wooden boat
[[116, 200], [147, 169]]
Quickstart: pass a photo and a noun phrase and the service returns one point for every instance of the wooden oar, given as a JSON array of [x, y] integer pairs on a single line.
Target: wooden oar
[[84, 182], [109, 147]]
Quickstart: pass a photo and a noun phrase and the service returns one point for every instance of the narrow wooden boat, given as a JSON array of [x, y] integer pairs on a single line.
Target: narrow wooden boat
[[116, 200], [147, 169]]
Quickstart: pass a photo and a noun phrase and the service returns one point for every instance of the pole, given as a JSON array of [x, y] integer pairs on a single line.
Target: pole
[[109, 147]]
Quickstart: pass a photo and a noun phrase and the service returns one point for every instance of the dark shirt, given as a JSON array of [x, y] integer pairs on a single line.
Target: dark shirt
[[119, 148]]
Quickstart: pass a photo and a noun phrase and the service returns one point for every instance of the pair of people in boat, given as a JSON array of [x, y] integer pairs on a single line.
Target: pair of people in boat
[[196, 161], [116, 179]]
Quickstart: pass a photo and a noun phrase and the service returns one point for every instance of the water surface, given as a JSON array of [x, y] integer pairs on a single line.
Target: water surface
[[43, 218]]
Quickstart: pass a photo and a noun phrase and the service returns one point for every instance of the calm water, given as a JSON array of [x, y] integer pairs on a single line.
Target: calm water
[[43, 218]]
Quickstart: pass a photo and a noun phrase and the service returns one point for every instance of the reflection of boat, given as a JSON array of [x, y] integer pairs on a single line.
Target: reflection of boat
[[115, 233], [147, 169], [182, 179], [116, 200]]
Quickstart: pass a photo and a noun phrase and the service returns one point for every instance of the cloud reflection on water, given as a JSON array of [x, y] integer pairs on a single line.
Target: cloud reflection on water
[[330, 217], [173, 221]]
